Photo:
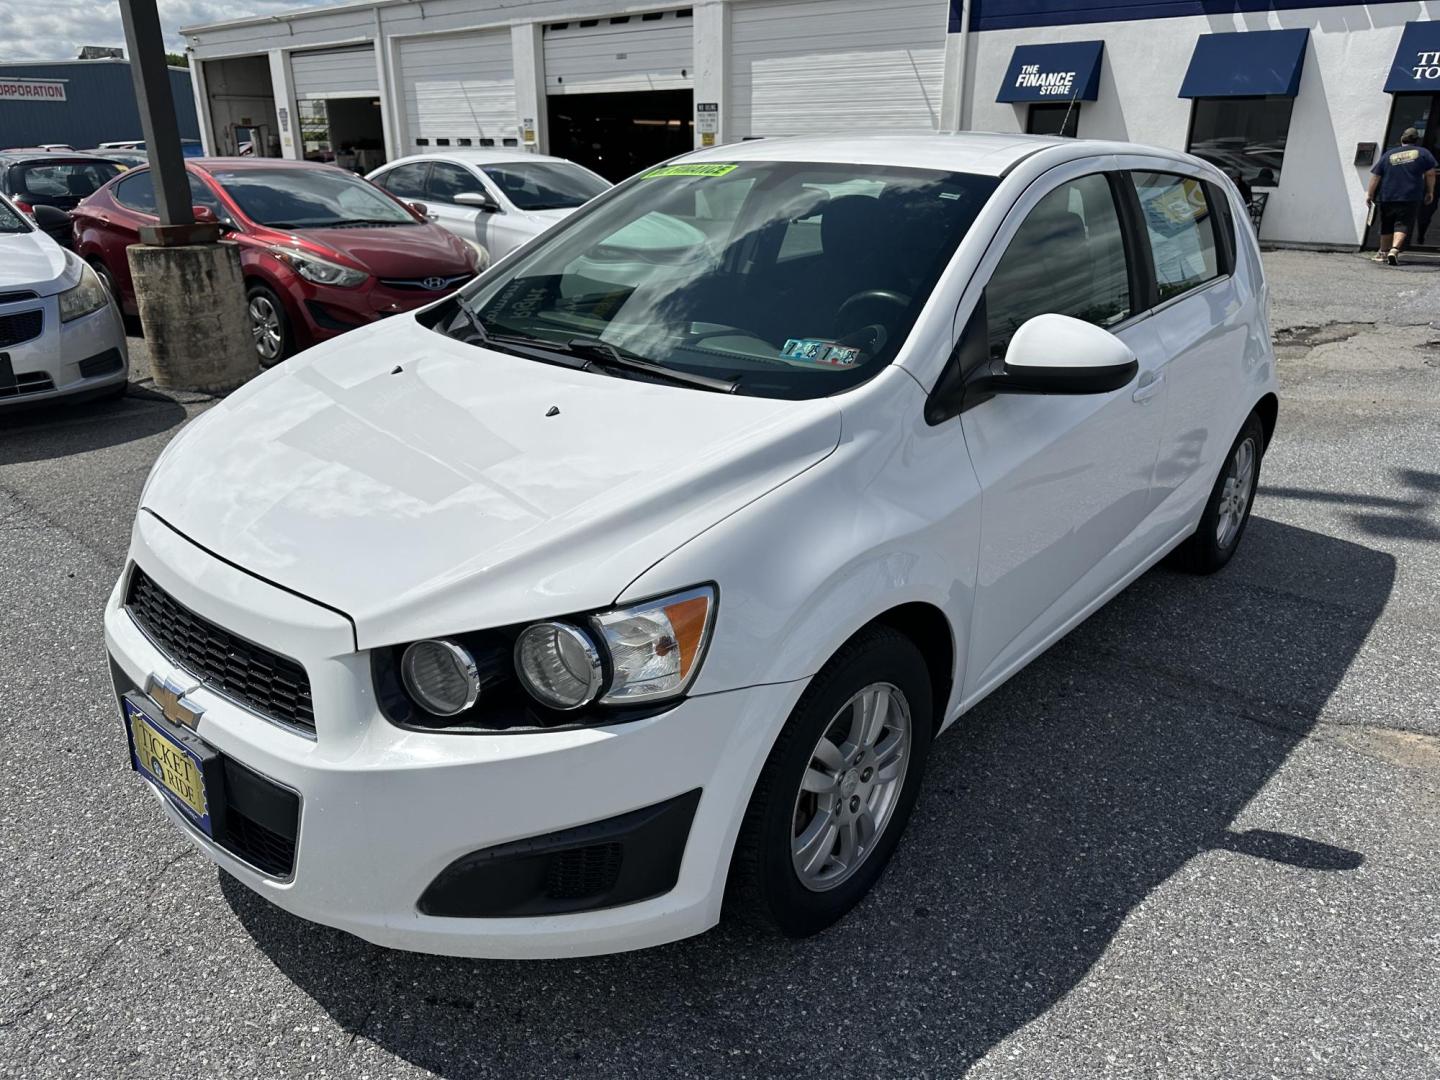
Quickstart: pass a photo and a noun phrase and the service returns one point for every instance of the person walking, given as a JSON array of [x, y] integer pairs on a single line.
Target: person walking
[[1404, 180]]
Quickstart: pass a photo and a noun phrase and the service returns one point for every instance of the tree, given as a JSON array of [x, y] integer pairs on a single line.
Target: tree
[[175, 59]]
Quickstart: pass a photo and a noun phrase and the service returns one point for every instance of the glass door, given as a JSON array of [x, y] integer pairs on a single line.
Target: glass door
[[1422, 112]]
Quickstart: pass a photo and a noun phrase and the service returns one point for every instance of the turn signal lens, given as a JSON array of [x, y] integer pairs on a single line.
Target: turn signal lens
[[440, 676], [558, 664], [655, 647]]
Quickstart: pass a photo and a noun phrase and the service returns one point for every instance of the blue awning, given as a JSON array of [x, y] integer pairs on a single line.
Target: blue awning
[[1417, 60], [1065, 72], [1247, 63]]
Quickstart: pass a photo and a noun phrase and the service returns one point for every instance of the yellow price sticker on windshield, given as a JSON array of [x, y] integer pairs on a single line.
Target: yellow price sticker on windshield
[[690, 170]]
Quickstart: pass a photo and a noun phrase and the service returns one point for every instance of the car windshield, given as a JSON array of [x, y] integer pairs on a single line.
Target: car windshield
[[788, 279], [546, 185], [61, 179], [10, 219], [313, 198]]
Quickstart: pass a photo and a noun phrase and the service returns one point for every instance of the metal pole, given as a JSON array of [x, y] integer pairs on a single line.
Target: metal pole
[[151, 76]]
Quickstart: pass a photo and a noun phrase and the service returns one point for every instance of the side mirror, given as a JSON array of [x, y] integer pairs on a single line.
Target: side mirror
[[1055, 354], [420, 208], [50, 218], [479, 200]]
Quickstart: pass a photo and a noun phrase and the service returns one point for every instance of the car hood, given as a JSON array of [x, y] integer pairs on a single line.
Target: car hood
[[400, 251], [34, 261], [424, 486]]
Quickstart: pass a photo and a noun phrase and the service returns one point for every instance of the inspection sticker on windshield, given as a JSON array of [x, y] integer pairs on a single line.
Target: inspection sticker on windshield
[[690, 170], [815, 351]]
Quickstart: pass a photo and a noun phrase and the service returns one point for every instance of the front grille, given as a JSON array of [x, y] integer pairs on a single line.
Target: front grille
[[271, 684], [20, 327], [426, 284], [584, 872], [31, 382], [105, 363], [265, 850], [17, 297]]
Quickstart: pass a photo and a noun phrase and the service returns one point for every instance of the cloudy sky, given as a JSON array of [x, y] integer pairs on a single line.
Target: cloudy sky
[[55, 29]]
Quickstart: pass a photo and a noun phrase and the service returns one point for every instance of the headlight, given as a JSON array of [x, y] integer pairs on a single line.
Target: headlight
[[558, 664], [320, 271], [87, 296], [655, 648], [482, 254], [441, 676]]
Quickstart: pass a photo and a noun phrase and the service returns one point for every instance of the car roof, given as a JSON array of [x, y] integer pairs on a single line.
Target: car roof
[[20, 155], [983, 152], [481, 156]]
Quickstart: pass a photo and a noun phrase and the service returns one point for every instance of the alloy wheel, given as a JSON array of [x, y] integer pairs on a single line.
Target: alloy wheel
[[851, 787], [1235, 494], [265, 328]]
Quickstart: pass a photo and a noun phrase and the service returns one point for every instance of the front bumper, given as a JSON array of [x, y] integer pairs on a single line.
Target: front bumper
[[384, 811], [85, 355], [324, 312]]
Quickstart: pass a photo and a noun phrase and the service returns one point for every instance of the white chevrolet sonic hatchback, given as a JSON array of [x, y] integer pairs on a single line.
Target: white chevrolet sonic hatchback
[[643, 571]]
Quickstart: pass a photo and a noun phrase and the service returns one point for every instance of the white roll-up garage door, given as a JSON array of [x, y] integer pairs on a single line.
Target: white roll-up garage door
[[810, 67], [461, 86], [327, 73], [652, 51]]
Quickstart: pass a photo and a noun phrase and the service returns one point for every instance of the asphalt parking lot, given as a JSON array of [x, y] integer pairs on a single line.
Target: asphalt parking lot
[[1199, 838]]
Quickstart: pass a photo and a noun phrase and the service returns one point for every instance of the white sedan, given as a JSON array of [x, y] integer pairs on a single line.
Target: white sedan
[[60, 331], [496, 198], [524, 625]]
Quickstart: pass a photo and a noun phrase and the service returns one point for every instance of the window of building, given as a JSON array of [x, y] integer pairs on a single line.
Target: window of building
[[1181, 230], [1067, 258], [1053, 118], [1242, 136]]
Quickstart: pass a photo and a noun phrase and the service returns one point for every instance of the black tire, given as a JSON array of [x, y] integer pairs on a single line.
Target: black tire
[[1205, 551], [257, 299], [765, 886], [131, 323]]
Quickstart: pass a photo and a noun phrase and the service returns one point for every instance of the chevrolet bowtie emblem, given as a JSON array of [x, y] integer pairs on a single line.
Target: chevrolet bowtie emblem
[[170, 696]]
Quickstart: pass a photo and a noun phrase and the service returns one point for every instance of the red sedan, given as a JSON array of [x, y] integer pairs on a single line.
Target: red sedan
[[323, 251]]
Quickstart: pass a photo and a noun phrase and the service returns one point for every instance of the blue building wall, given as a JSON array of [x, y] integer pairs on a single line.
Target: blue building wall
[[1010, 14], [99, 105]]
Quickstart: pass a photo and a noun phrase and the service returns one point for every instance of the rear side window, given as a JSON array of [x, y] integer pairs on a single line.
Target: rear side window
[[1068, 258], [137, 191], [1181, 228], [406, 181]]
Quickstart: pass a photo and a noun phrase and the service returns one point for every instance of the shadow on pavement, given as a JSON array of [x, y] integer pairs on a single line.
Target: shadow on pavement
[[1056, 807], [40, 432]]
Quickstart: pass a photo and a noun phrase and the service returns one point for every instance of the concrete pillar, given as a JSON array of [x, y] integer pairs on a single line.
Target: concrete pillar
[[527, 45], [192, 307], [287, 114], [712, 72], [384, 81]]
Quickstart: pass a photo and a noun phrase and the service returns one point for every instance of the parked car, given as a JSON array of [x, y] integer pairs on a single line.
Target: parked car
[[190, 148], [322, 250], [60, 332], [498, 198], [548, 612], [36, 177], [126, 159]]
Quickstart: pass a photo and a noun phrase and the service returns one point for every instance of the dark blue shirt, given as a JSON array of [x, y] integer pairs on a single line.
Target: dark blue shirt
[[1402, 172]]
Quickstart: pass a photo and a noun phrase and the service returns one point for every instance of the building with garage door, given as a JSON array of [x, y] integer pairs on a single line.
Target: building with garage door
[[1294, 97]]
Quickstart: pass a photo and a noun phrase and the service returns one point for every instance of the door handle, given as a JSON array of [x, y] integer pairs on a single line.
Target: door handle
[[433, 217], [1148, 388]]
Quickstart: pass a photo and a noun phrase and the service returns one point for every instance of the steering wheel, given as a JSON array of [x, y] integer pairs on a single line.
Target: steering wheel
[[869, 296]]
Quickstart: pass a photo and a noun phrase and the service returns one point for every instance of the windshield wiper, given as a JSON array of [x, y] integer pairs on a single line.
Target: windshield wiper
[[552, 352], [603, 354]]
